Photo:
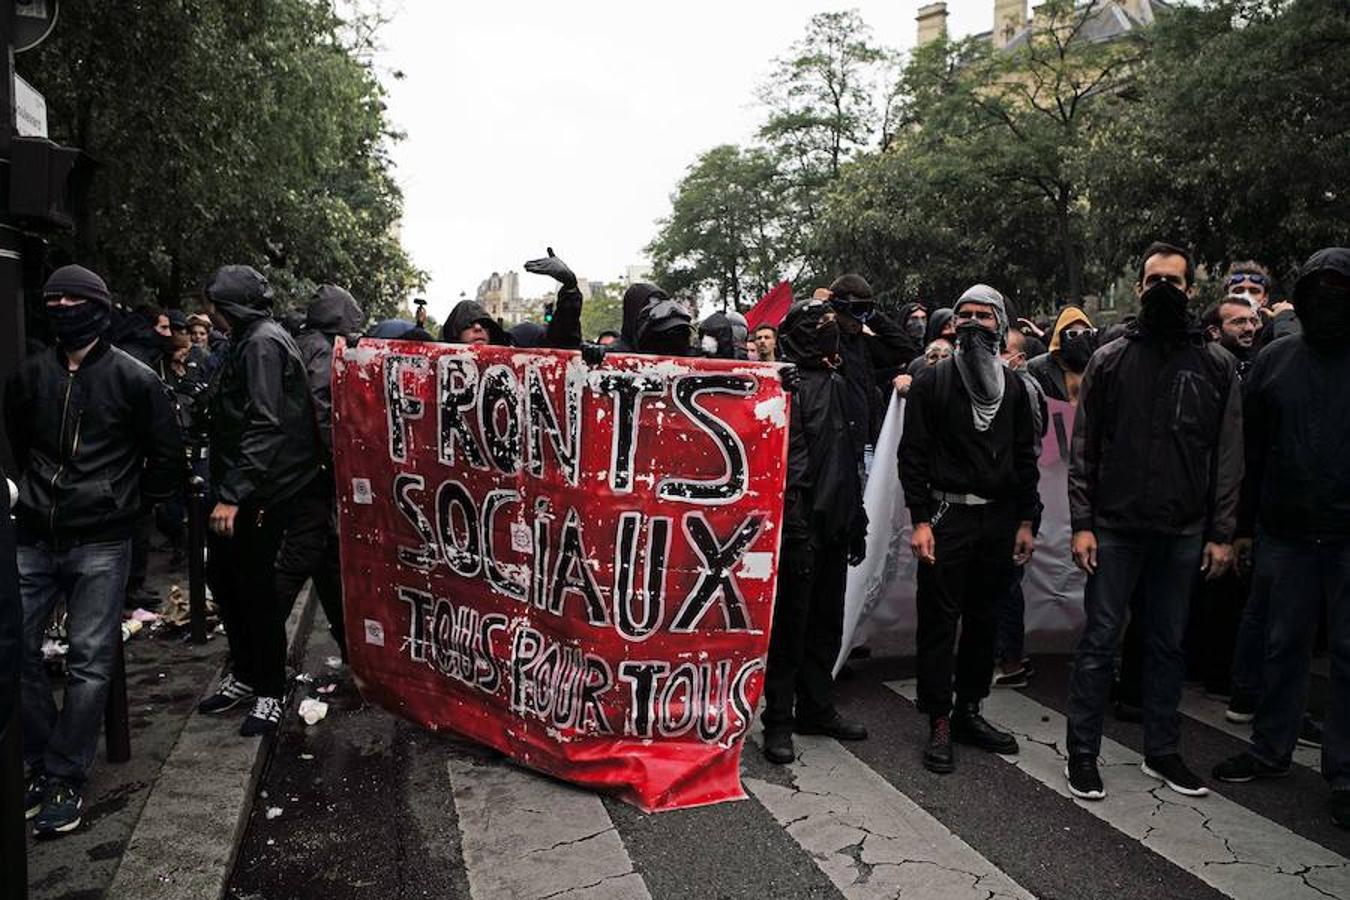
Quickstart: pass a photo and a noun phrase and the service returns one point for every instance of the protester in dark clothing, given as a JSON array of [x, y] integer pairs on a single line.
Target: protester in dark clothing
[[664, 328], [147, 336], [265, 459], [94, 437], [1234, 325], [913, 319], [824, 531], [607, 338], [309, 550], [940, 328], [635, 299], [527, 335], [469, 322], [723, 335], [1060, 371], [1154, 472], [968, 468], [1297, 411]]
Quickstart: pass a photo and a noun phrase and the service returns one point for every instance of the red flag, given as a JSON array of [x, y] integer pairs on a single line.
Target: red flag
[[771, 308]]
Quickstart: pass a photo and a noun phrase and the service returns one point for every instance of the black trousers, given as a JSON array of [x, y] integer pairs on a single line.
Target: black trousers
[[241, 571], [966, 586], [808, 625], [310, 551]]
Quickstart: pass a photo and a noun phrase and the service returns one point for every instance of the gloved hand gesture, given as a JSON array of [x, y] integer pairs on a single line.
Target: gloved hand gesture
[[790, 378], [592, 354], [554, 268]]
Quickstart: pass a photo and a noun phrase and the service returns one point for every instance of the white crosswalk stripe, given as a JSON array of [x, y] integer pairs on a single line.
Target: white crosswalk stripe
[[1210, 712], [870, 839], [526, 837], [1224, 844]]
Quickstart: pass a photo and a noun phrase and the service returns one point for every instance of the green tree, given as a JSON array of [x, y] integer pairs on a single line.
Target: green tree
[[240, 132], [602, 312]]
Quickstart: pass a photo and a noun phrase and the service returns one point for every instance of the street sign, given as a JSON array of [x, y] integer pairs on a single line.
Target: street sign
[[33, 21], [30, 110]]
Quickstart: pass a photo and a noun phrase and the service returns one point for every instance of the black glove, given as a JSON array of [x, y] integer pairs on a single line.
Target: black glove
[[592, 354], [789, 377], [857, 549], [554, 268]]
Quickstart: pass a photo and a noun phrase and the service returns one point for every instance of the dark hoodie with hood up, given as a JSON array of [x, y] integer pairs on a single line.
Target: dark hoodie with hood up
[[1297, 419], [563, 332], [264, 441], [634, 301], [726, 335], [331, 312]]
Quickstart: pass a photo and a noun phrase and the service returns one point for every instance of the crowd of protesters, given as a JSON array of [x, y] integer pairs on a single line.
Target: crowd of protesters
[[1208, 505]]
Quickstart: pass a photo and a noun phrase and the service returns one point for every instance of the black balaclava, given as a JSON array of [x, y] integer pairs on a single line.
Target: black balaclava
[[78, 326], [1162, 312], [634, 300], [1075, 352], [807, 341], [1324, 310], [915, 327], [722, 336], [976, 356], [937, 320], [664, 328]]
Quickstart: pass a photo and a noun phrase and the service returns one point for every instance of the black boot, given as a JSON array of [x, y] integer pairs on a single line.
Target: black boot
[[778, 747], [937, 756], [835, 726], [969, 727]]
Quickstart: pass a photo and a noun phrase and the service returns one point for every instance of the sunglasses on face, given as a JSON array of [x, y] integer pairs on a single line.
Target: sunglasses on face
[[1076, 331]]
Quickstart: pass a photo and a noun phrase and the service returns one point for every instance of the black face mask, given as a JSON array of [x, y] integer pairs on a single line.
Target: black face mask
[[79, 325], [1075, 352], [1325, 317], [827, 339], [1162, 310], [973, 337], [916, 327]]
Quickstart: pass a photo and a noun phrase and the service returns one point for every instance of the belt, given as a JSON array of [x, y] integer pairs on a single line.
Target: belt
[[961, 499]]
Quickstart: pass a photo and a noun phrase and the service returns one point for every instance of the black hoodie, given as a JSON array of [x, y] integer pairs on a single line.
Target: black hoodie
[[563, 332], [264, 440], [1297, 427], [634, 300], [333, 311]]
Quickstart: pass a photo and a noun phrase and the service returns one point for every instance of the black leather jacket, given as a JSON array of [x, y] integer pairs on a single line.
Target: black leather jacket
[[264, 439], [93, 446]]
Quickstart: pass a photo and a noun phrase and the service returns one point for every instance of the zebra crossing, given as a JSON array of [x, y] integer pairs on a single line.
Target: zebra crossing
[[854, 821]]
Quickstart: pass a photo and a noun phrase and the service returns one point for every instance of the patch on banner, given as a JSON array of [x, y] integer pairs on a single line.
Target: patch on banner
[[374, 633], [520, 538], [756, 566], [361, 492]]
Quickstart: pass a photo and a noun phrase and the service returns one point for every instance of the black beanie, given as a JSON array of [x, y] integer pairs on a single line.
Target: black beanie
[[851, 286], [77, 281]]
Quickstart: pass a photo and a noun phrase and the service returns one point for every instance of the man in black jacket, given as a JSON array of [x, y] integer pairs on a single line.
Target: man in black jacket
[[96, 442], [824, 531], [968, 468], [1154, 473], [469, 322], [310, 548], [1297, 411], [265, 460]]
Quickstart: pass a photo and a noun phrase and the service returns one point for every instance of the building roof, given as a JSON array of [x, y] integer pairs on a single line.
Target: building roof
[[1108, 22]]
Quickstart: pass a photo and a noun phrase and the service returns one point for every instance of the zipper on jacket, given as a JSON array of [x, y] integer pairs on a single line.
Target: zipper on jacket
[[61, 444]]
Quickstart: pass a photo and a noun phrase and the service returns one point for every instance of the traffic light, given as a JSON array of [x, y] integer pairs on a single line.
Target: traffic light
[[44, 178], [548, 313]]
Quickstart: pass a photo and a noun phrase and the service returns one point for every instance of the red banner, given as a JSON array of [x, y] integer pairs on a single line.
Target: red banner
[[573, 565]]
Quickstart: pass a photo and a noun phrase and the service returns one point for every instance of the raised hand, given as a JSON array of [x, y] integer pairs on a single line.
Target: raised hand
[[554, 268]]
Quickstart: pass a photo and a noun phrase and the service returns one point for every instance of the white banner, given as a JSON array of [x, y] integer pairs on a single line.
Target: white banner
[[879, 603]]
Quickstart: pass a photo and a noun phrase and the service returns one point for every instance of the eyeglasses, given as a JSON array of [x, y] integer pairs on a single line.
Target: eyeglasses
[[1253, 277], [1071, 332]]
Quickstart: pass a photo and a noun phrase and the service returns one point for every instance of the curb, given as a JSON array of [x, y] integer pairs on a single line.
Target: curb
[[183, 846]]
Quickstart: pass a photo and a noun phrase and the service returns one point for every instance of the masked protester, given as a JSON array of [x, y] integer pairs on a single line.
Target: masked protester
[[469, 322], [941, 331], [824, 531], [664, 328], [266, 460], [968, 468], [1059, 372], [723, 335], [1154, 472], [95, 443], [1297, 411], [309, 551]]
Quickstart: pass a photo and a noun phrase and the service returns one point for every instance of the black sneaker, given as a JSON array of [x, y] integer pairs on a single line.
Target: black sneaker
[[1172, 771], [60, 813], [35, 794], [778, 747], [228, 695], [1340, 808], [1310, 734], [263, 718], [1241, 709], [835, 726], [938, 756], [1014, 679], [1244, 767], [1085, 782]]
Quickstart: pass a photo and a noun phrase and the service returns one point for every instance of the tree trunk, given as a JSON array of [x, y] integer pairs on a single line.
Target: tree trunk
[[1073, 264]]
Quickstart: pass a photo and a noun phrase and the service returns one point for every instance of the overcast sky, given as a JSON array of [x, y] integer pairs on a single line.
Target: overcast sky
[[532, 124]]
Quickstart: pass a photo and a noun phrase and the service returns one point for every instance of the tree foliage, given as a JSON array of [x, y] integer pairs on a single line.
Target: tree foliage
[[226, 132]]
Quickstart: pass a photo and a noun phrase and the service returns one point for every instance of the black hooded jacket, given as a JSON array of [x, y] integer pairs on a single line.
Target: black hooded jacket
[[563, 332], [333, 311], [94, 447], [1297, 428], [634, 301], [823, 499], [728, 336], [865, 402], [264, 440]]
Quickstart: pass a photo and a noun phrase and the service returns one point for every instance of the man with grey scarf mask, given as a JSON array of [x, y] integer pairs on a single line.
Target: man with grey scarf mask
[[968, 469]]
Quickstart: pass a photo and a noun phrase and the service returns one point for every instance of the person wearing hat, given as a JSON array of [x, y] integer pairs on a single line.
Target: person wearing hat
[[96, 443]]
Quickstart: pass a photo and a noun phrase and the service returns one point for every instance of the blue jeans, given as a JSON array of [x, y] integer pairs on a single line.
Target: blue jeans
[[1249, 651], [1164, 566], [1299, 574], [92, 579]]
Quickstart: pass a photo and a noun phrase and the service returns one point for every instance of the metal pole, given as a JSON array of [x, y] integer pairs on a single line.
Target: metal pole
[[197, 558], [13, 826], [12, 341]]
